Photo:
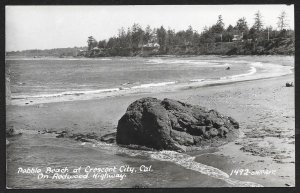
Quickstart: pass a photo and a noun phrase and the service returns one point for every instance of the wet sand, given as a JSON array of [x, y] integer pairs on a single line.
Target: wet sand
[[264, 108]]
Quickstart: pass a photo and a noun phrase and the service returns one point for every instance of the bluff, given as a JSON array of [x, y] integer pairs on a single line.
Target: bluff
[[173, 125]]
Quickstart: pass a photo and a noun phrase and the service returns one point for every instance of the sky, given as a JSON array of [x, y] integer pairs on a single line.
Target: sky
[[46, 27]]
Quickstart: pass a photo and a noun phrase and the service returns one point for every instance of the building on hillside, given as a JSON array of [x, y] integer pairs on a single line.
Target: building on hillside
[[151, 45], [237, 38], [149, 49], [96, 50], [81, 52]]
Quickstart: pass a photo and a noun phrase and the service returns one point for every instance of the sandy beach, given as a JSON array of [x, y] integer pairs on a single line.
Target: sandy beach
[[264, 108]]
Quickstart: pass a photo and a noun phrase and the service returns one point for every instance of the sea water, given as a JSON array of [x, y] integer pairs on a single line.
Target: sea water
[[56, 80], [54, 77]]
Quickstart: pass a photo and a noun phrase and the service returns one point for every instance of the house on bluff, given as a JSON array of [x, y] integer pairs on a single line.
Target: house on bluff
[[149, 49], [237, 38]]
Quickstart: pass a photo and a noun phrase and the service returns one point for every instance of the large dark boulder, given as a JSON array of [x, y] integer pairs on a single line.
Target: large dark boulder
[[173, 125]]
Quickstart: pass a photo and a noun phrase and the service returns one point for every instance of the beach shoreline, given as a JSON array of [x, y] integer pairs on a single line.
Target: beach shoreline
[[258, 68]]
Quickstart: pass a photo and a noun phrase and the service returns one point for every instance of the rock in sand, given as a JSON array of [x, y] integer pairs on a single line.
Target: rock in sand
[[174, 125], [289, 84]]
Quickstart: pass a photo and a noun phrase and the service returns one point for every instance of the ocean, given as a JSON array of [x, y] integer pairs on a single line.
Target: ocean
[[53, 76], [49, 80]]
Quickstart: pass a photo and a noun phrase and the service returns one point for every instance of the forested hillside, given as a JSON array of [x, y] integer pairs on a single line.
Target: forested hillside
[[237, 39], [216, 39]]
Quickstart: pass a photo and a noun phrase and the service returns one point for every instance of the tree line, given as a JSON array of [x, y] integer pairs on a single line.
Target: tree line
[[55, 52], [216, 39], [133, 40]]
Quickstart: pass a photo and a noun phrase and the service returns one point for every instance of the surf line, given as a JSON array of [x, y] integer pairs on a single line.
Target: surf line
[[183, 160], [234, 77], [188, 162]]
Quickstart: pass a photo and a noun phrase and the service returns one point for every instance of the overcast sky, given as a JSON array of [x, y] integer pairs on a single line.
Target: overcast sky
[[45, 27]]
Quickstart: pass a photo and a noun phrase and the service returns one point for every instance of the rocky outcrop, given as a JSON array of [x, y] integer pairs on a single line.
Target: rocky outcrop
[[173, 125]]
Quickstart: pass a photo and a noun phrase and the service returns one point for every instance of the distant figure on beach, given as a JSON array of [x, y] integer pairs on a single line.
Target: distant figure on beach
[[228, 68], [289, 84]]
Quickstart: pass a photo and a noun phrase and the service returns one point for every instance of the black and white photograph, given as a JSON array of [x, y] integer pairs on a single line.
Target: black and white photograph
[[150, 96]]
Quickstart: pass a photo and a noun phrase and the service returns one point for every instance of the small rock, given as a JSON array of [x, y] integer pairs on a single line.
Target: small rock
[[289, 84]]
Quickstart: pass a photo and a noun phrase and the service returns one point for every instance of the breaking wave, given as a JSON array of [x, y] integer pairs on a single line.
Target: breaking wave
[[64, 93], [180, 159], [153, 85], [234, 77], [188, 162]]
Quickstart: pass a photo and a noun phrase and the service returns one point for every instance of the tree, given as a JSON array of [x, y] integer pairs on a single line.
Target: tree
[[129, 38], [91, 43], [216, 31], [196, 39], [122, 38], [228, 35], [161, 38], [137, 34], [218, 28], [171, 40], [258, 23], [241, 24], [180, 38], [252, 34], [148, 36], [242, 27], [102, 44], [282, 21], [220, 22], [207, 35], [112, 42], [189, 36]]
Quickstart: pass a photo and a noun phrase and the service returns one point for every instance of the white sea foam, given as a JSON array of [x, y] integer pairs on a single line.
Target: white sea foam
[[86, 92], [197, 80], [153, 85], [61, 94], [182, 160], [257, 64], [250, 72], [105, 59], [197, 63], [188, 162]]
